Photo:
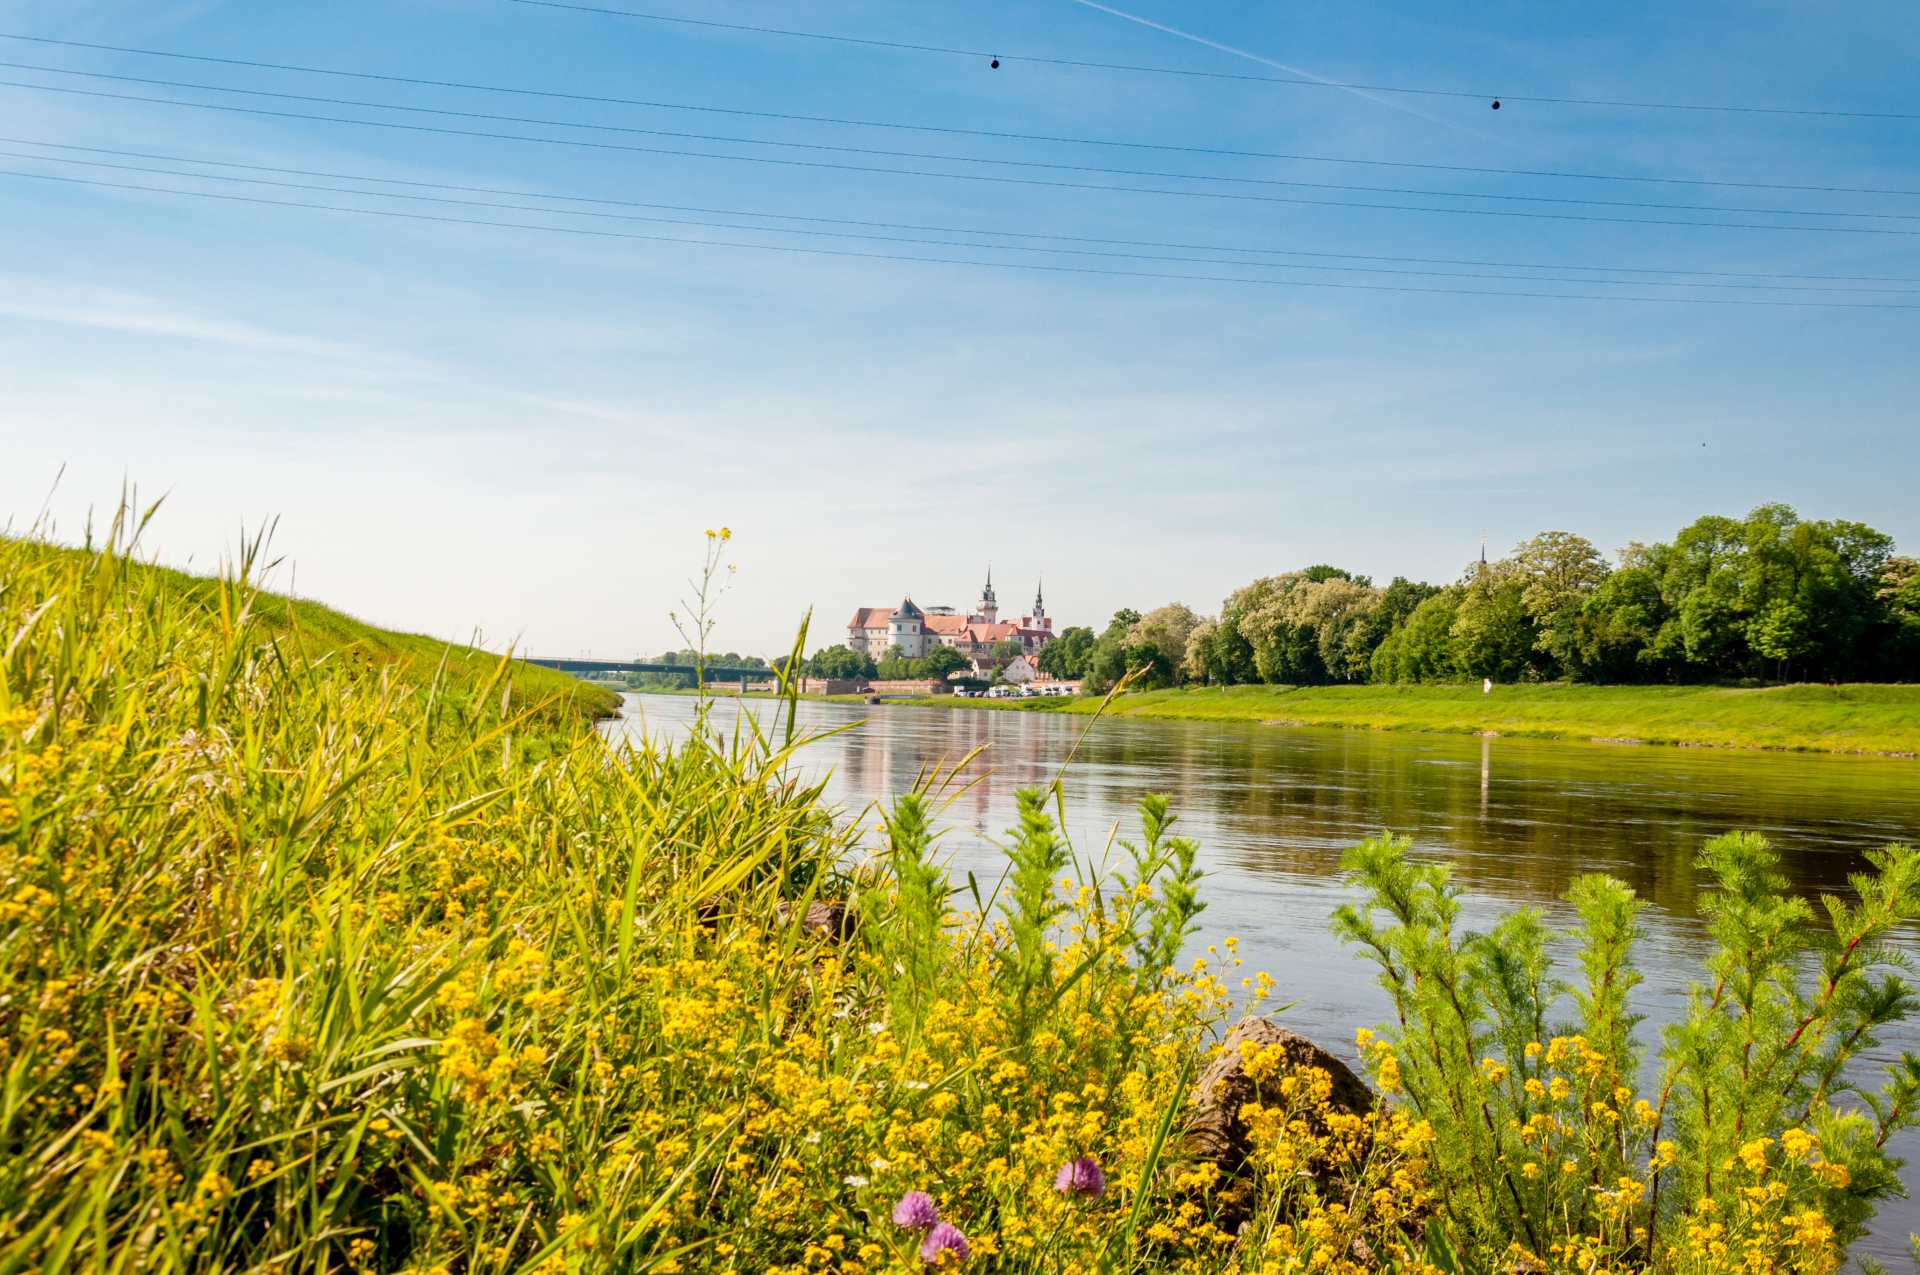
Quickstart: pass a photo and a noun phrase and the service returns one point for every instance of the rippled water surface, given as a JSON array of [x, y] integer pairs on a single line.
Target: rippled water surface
[[1274, 808]]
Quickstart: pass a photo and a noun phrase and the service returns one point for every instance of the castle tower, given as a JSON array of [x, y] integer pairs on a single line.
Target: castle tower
[[906, 629], [1039, 607], [989, 607]]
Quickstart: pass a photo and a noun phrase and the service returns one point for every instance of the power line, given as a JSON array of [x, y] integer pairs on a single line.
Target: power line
[[971, 177], [1245, 249], [1299, 81], [953, 131], [884, 153], [909, 239], [985, 231], [953, 261]]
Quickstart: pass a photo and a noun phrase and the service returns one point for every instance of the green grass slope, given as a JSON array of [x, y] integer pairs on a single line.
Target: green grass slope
[[323, 632]]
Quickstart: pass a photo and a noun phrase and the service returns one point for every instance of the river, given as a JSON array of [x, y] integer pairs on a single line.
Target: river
[[1274, 808]]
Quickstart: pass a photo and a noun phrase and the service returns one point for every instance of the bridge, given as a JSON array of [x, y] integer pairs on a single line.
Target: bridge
[[714, 672]]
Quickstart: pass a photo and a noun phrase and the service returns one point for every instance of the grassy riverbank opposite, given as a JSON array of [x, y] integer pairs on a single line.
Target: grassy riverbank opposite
[[1852, 718]]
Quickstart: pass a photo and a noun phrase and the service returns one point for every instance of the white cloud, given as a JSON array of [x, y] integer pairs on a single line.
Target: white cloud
[[77, 305]]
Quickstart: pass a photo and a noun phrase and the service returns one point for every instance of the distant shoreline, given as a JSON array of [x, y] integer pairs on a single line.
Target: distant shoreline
[[1863, 719]]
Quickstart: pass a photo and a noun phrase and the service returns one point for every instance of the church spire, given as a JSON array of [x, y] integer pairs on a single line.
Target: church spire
[[989, 607]]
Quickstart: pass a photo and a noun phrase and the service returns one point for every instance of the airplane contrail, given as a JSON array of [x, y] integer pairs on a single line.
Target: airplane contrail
[[1301, 72]]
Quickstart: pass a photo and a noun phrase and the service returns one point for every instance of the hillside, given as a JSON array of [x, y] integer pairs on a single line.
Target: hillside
[[322, 632]]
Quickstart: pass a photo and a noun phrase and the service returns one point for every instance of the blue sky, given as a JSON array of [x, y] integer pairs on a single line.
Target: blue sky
[[465, 428]]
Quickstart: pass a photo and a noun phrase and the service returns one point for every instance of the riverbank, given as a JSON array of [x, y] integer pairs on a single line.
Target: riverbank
[[324, 633], [319, 962], [1875, 719]]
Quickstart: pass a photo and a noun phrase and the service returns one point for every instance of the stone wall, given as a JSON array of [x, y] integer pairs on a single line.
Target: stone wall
[[911, 686], [830, 686]]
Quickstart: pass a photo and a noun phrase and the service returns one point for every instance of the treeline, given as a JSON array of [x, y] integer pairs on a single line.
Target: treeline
[[1768, 596], [842, 662]]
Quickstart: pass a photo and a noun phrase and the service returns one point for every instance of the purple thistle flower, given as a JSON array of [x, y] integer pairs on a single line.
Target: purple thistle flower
[[916, 1212], [942, 1242], [1081, 1177]]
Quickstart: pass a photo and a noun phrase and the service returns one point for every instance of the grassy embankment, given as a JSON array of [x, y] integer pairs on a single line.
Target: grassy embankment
[[315, 632], [1844, 719], [317, 961]]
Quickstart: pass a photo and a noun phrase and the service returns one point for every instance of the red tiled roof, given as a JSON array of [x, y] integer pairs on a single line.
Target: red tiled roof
[[954, 626]]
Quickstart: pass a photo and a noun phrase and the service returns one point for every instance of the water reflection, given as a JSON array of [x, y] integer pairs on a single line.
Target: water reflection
[[1274, 809]]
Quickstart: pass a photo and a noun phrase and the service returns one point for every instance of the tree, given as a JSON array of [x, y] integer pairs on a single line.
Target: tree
[[1338, 611], [1006, 649], [1166, 629], [1106, 663], [1808, 589], [1899, 590], [1492, 636], [840, 663], [1306, 630], [1899, 596], [1557, 571], [1556, 566], [1066, 656], [1152, 669], [1699, 582], [1617, 626], [1264, 614], [1195, 664], [1398, 600], [1219, 655], [1782, 633], [943, 661], [1422, 648]]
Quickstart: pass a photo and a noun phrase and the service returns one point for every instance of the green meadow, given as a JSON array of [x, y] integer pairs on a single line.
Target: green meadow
[[1850, 718]]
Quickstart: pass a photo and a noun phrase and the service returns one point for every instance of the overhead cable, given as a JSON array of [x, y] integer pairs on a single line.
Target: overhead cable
[[1299, 81], [984, 231], [767, 215], [971, 177], [955, 131], [953, 261], [938, 157], [869, 236]]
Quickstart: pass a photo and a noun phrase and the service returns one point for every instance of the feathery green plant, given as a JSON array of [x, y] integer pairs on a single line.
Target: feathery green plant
[[1165, 889], [908, 938], [1037, 856], [1537, 1122]]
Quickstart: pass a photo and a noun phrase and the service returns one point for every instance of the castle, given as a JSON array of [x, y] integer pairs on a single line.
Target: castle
[[916, 630]]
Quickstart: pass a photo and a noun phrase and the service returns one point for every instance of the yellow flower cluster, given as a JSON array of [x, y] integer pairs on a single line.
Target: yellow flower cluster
[[1576, 1163], [1345, 1191]]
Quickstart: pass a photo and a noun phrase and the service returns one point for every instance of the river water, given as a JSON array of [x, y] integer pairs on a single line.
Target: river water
[[1274, 808]]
